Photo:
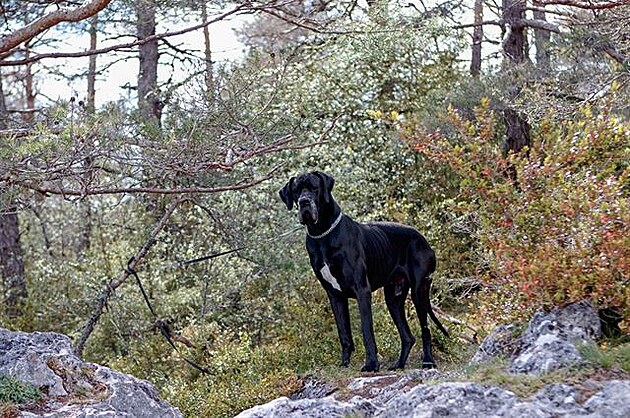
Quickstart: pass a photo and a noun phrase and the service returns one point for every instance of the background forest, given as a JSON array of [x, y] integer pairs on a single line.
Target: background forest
[[499, 129]]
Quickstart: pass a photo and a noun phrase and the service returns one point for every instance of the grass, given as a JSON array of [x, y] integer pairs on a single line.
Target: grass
[[603, 362], [607, 355]]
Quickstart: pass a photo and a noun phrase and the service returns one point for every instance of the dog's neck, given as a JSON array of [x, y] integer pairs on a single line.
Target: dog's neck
[[330, 217]]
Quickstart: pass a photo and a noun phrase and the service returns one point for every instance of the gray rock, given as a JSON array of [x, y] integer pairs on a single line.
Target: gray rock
[[46, 361], [610, 402], [501, 342], [557, 400], [313, 389], [454, 399], [363, 397], [381, 389], [550, 341], [327, 407]]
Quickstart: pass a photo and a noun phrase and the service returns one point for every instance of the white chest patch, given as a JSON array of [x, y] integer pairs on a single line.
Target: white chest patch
[[327, 275]]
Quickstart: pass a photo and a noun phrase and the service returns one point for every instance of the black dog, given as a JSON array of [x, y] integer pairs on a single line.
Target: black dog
[[351, 260]]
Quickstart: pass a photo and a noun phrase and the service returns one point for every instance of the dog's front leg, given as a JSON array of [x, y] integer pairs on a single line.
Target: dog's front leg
[[339, 306], [364, 300]]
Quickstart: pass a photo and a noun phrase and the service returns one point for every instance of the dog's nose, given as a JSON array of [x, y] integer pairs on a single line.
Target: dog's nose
[[304, 202]]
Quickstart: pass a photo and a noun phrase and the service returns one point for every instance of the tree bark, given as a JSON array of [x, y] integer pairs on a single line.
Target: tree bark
[[207, 52], [11, 261], [91, 78], [29, 87], [85, 226], [4, 114], [149, 102], [514, 41], [514, 48], [475, 62]]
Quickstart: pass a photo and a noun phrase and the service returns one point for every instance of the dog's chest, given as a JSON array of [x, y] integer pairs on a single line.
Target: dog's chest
[[328, 276]]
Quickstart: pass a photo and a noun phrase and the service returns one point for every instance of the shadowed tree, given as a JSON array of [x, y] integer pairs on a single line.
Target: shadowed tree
[[514, 49], [149, 102], [11, 261]]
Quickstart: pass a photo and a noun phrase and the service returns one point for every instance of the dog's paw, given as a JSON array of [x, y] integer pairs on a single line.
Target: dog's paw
[[370, 367], [429, 365], [396, 366]]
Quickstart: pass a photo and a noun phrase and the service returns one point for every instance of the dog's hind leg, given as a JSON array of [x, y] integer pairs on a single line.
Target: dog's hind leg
[[420, 295], [395, 296]]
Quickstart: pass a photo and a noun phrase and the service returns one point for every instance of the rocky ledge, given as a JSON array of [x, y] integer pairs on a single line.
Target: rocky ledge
[[73, 388], [549, 343]]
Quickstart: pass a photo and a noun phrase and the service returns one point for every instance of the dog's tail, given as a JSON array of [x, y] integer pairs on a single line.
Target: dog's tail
[[437, 321]]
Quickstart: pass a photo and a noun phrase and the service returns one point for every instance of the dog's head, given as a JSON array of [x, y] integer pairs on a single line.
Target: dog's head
[[310, 192]]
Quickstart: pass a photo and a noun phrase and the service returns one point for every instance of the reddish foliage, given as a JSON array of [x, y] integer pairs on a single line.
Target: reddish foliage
[[554, 220]]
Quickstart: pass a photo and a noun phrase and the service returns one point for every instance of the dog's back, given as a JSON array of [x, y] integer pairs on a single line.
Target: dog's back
[[389, 248]]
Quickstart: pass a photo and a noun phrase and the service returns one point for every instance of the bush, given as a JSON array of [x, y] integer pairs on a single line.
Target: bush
[[14, 391], [552, 223]]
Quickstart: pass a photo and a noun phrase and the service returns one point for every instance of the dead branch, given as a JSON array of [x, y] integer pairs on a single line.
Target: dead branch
[[473, 339], [113, 284]]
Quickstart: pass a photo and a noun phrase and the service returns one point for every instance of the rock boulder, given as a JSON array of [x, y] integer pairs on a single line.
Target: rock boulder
[[72, 387]]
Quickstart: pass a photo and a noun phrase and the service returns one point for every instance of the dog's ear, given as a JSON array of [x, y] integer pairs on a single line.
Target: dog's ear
[[329, 183], [286, 193]]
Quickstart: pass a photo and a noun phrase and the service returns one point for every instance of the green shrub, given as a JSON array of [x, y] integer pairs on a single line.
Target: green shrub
[[14, 391]]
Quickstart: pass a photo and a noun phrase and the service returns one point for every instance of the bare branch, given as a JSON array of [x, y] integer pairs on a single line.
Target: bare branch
[[128, 45], [28, 32], [588, 5], [151, 190], [531, 23], [538, 24], [484, 23]]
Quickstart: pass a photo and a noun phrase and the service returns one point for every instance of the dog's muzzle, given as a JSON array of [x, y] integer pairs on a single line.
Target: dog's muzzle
[[308, 210]]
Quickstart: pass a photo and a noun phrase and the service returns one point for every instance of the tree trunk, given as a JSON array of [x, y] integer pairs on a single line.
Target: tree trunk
[[207, 51], [148, 95], [85, 226], [541, 38], [29, 87], [514, 41], [514, 48], [4, 114], [11, 262], [91, 78], [475, 62]]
